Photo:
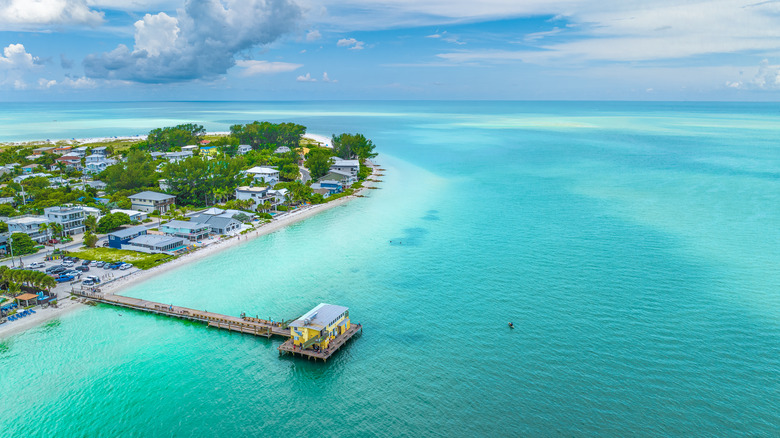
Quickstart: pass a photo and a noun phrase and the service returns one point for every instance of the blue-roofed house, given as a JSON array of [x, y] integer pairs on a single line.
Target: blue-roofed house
[[123, 236]]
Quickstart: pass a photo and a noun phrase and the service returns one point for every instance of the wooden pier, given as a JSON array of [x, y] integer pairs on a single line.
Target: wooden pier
[[246, 325]]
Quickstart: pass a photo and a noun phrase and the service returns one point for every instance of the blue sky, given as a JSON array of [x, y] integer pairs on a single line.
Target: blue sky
[[402, 49]]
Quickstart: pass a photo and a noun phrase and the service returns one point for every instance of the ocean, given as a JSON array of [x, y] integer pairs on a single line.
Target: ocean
[[634, 245]]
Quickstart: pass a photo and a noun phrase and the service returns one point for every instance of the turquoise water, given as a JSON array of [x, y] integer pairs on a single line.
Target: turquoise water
[[634, 246]]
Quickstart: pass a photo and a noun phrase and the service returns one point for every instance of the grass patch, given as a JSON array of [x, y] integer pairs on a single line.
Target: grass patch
[[138, 259]]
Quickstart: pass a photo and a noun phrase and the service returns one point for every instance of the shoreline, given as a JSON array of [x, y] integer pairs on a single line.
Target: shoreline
[[326, 141], [66, 305]]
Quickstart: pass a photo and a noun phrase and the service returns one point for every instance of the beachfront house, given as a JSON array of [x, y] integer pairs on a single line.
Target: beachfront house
[[151, 201], [191, 148], [319, 326], [123, 236], [97, 163], [218, 224], [279, 196], [100, 150], [135, 215], [258, 195], [243, 149], [346, 179], [80, 152], [70, 217], [186, 230], [327, 188], [29, 225], [155, 243], [350, 166], [265, 174], [62, 150]]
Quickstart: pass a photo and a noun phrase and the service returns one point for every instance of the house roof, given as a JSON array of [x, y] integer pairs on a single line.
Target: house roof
[[335, 175], [127, 232], [251, 189], [213, 211], [155, 240], [183, 224], [154, 196], [214, 221], [262, 170], [319, 317], [347, 163], [28, 220]]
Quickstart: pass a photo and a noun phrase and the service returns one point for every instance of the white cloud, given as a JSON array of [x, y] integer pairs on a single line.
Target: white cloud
[[313, 35], [306, 78], [446, 37], [15, 65], [767, 78], [27, 14], [351, 43], [46, 83], [199, 43], [252, 67], [326, 78]]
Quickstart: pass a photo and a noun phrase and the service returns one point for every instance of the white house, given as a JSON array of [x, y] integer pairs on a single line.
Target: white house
[[20, 178], [78, 152], [92, 211], [243, 149], [151, 201], [258, 195], [350, 166], [279, 196], [270, 176], [135, 215], [100, 150], [189, 148], [70, 217], [282, 150], [175, 157], [29, 225]]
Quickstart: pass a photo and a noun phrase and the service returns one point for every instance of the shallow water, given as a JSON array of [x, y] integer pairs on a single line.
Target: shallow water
[[633, 245]]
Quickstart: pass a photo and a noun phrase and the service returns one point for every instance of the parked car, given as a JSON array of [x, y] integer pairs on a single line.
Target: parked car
[[115, 266], [86, 262], [72, 273], [94, 278], [67, 263], [63, 278], [82, 268], [57, 270], [100, 264], [126, 266], [87, 282], [37, 265]]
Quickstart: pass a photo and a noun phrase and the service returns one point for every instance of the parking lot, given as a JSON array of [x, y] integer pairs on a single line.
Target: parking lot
[[78, 278]]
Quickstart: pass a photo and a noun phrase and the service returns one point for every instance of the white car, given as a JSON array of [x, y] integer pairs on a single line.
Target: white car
[[126, 266], [67, 263], [37, 265]]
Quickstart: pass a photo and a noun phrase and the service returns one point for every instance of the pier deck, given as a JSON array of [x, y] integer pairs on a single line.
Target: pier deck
[[247, 325], [333, 347]]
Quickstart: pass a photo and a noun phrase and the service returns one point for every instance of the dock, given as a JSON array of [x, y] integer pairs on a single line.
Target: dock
[[246, 325]]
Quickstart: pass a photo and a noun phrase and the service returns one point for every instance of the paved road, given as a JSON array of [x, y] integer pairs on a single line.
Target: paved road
[[305, 175]]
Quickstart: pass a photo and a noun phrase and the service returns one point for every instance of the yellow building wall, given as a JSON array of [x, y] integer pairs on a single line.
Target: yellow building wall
[[307, 333]]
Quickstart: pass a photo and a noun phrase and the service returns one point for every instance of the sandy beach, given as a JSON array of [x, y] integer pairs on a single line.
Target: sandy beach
[[326, 141], [66, 305]]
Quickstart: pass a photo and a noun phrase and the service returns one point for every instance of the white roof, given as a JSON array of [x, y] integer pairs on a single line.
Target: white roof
[[127, 212], [251, 189], [319, 317], [28, 220], [262, 170], [347, 163]]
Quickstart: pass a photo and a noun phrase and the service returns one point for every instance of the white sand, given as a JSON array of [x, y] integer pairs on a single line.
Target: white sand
[[320, 139]]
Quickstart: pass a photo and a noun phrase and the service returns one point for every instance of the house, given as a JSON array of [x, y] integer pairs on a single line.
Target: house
[[20, 178], [163, 184], [97, 185], [43, 150], [326, 188], [185, 230], [345, 178], [100, 150], [191, 148], [156, 155], [209, 150], [155, 243], [282, 150], [70, 217], [80, 152], [57, 181], [319, 326], [259, 195], [243, 149], [70, 162], [350, 166], [151, 201], [267, 175], [123, 236], [7, 200], [218, 224], [4, 244], [62, 150], [33, 157], [175, 157], [280, 196], [28, 169], [92, 211], [29, 225], [98, 163], [135, 215], [214, 211]]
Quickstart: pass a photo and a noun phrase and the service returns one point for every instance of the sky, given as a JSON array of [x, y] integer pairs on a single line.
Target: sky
[[54, 50]]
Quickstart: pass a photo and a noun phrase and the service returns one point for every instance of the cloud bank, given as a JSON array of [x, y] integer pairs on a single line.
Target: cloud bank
[[199, 43], [25, 14]]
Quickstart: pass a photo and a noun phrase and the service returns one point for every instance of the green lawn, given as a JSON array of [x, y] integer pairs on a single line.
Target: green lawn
[[138, 259]]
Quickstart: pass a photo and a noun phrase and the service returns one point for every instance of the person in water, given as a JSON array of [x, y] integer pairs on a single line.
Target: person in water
[[511, 325]]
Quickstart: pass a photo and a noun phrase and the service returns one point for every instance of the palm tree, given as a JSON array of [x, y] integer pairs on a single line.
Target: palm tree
[[44, 227]]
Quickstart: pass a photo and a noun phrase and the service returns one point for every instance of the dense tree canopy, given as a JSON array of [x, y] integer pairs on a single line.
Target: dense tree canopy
[[318, 161], [112, 221], [267, 135], [164, 139], [22, 244], [196, 181], [137, 172], [348, 146]]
